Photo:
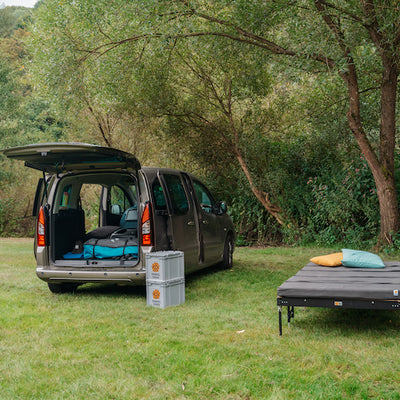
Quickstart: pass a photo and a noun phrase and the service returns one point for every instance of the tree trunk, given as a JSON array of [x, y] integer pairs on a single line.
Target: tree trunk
[[386, 187], [383, 167], [388, 205], [262, 197]]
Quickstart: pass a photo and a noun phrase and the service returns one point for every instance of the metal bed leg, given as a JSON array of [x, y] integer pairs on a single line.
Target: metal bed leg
[[280, 320], [290, 314]]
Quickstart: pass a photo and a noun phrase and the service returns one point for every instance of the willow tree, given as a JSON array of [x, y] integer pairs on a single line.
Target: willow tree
[[96, 96], [358, 40], [354, 39], [220, 106]]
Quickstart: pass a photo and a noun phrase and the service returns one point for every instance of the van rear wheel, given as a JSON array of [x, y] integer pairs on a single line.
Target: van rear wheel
[[59, 288]]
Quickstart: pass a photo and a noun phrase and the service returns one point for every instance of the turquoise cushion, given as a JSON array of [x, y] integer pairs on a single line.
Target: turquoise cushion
[[361, 259]]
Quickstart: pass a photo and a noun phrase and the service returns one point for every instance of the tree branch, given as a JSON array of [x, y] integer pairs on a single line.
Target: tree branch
[[373, 26], [241, 35]]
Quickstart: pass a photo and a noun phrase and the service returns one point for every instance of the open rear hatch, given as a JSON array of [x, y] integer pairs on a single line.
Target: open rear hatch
[[64, 157], [100, 171]]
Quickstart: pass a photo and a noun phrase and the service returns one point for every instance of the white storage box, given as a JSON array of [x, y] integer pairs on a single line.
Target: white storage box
[[165, 265], [165, 294]]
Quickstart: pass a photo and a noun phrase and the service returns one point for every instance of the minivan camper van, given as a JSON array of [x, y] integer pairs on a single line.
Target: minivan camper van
[[99, 212]]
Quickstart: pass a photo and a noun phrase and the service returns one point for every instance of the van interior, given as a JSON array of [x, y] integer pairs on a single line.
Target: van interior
[[94, 218]]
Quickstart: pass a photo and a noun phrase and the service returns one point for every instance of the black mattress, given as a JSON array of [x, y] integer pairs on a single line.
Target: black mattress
[[314, 281]]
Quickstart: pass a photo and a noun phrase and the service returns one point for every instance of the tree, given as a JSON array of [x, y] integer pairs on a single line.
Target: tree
[[7, 86], [219, 103], [358, 40], [350, 38], [215, 93], [98, 96]]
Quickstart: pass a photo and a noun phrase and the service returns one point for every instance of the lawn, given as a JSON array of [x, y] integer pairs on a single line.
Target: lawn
[[104, 342]]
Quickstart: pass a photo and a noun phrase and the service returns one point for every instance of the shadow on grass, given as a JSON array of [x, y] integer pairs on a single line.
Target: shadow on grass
[[101, 289], [203, 273], [112, 290], [347, 320]]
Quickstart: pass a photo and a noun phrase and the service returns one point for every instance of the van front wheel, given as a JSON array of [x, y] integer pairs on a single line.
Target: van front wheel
[[227, 260], [59, 288]]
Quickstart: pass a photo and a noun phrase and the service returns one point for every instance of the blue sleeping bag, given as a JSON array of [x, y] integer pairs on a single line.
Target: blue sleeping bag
[[109, 248]]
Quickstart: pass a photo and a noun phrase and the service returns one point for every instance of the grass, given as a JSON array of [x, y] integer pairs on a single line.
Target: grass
[[104, 342]]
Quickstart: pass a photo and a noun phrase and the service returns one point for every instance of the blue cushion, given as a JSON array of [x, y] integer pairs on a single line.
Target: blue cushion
[[361, 259], [73, 256]]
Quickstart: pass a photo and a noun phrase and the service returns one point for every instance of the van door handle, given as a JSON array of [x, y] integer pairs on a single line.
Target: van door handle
[[191, 223]]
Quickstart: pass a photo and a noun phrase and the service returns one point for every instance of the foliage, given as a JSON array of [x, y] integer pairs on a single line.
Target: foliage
[[7, 86], [13, 222], [24, 118], [345, 211], [12, 19], [16, 200], [91, 72], [97, 96], [356, 38], [254, 226]]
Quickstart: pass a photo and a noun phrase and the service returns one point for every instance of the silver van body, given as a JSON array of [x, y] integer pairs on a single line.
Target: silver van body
[[91, 196]]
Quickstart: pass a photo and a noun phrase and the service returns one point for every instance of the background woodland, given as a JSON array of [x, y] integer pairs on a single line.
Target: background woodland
[[204, 88]]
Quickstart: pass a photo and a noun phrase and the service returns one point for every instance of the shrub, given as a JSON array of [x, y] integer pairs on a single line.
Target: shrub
[[343, 207]]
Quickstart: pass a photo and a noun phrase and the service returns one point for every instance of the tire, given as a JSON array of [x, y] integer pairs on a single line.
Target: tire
[[227, 259], [60, 288]]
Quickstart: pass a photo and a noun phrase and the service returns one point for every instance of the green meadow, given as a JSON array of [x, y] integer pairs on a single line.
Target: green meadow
[[105, 342]]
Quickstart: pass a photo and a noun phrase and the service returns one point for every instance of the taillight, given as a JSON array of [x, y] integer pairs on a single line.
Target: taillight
[[146, 226], [41, 229]]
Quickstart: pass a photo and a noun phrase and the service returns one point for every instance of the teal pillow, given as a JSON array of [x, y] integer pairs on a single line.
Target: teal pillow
[[361, 259]]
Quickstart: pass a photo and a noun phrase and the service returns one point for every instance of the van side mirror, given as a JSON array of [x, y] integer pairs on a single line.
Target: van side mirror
[[223, 208]]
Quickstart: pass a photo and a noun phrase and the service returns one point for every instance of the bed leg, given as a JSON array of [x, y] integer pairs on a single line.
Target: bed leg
[[290, 314], [280, 320]]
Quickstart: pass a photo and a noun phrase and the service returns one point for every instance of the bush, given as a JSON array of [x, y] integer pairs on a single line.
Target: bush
[[17, 189], [343, 208], [15, 220]]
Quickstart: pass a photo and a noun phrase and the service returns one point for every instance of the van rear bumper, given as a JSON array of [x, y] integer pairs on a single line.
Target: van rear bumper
[[131, 277]]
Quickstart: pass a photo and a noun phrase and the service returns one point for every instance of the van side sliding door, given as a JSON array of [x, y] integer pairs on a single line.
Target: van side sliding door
[[183, 218], [210, 224]]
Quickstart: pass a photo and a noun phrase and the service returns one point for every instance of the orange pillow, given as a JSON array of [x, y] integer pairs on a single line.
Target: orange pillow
[[330, 260]]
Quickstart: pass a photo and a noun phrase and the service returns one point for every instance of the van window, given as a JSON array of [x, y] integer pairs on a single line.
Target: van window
[[160, 203], [176, 191], [90, 203], [204, 196], [119, 201], [66, 193]]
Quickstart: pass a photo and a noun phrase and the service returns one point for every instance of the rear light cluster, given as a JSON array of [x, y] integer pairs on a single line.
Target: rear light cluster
[[147, 226], [41, 229]]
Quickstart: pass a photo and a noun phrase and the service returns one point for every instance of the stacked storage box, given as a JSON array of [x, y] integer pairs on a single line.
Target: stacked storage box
[[165, 278]]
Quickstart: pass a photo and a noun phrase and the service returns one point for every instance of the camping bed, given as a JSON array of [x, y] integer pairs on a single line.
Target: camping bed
[[340, 287]]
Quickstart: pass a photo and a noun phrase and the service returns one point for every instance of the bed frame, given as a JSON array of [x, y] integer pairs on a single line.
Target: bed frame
[[340, 287]]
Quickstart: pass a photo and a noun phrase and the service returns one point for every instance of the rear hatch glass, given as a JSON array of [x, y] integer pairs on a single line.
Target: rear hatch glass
[[64, 157]]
